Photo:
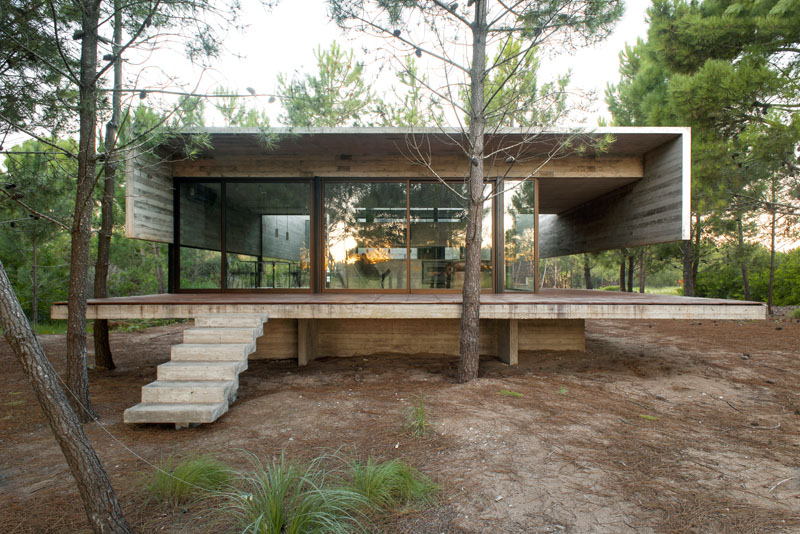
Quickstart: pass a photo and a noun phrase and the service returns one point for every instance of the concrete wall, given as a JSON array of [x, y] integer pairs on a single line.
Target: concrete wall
[[652, 210], [148, 198]]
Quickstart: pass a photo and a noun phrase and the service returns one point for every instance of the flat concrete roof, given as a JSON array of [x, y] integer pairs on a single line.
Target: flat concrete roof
[[629, 141]]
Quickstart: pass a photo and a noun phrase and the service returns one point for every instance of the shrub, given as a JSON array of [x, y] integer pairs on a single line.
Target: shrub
[[282, 498], [189, 479], [796, 313], [392, 484]]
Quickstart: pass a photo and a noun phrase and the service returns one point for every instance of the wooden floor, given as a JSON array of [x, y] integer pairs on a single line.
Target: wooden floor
[[547, 304]]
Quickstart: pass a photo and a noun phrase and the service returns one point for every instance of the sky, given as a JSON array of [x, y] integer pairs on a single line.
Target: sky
[[283, 40]]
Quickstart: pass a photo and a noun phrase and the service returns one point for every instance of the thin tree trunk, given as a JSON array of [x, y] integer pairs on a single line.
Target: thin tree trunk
[[771, 260], [587, 272], [471, 292], [77, 378], [102, 346], [35, 289], [159, 272], [99, 500], [642, 270], [631, 260], [622, 273], [743, 257]]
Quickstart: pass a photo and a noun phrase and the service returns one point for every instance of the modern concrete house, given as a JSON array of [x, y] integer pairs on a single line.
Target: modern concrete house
[[348, 241]]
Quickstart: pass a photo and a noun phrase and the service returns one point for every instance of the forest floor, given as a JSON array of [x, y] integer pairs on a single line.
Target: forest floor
[[660, 426]]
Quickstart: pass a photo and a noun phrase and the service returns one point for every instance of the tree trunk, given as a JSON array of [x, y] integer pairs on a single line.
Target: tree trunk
[[771, 260], [102, 347], [642, 270], [587, 272], [743, 258], [35, 288], [622, 273], [159, 272], [77, 377], [99, 500], [631, 260], [471, 292]]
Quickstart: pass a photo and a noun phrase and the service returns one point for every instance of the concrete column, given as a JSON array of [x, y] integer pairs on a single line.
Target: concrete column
[[306, 341], [508, 341]]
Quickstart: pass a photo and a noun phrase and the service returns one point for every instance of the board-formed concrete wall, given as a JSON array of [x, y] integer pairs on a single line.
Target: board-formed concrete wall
[[652, 210], [148, 198]]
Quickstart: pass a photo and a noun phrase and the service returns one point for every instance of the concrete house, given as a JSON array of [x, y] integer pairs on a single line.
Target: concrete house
[[340, 242]]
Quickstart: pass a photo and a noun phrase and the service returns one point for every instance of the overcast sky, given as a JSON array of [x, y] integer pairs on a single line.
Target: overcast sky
[[284, 39]]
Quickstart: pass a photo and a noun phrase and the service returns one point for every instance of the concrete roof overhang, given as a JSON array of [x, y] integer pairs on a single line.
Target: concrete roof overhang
[[557, 195]]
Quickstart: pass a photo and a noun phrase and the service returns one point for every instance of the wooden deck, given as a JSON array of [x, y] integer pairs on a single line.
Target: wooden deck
[[548, 304]]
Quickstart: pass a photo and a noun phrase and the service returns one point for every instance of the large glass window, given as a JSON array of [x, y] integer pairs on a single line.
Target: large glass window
[[200, 235], [438, 221], [365, 235], [267, 235], [519, 213]]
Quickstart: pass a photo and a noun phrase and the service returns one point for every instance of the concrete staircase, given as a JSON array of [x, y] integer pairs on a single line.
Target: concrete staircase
[[200, 381]]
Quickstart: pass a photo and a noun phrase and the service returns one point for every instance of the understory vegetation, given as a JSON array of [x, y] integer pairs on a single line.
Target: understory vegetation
[[327, 494]]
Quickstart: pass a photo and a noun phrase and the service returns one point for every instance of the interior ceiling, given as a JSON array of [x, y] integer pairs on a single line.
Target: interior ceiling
[[562, 194]]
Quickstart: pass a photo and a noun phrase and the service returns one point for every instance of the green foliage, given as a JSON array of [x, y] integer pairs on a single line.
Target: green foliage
[[796, 313], [390, 485], [337, 95], [280, 497], [509, 393], [414, 109], [180, 482], [416, 420]]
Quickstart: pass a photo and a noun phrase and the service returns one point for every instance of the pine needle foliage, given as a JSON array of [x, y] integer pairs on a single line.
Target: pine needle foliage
[[391, 485], [283, 498], [189, 479]]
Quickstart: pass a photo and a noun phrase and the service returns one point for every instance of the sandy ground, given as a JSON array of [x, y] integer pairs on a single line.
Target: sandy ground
[[663, 426]]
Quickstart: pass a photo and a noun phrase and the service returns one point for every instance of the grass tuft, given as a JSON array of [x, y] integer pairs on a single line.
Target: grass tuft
[[282, 498], [195, 477], [416, 420], [390, 485], [509, 393], [796, 313]]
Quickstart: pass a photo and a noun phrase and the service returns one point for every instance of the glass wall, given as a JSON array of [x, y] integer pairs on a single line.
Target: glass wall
[[519, 212], [438, 233], [200, 206], [268, 235], [365, 232]]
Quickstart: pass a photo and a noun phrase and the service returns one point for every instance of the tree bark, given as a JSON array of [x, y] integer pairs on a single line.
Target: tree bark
[[99, 500], [103, 357], [35, 288], [77, 378], [642, 270], [162, 288], [771, 256], [631, 262], [622, 273], [471, 292], [587, 272], [743, 258]]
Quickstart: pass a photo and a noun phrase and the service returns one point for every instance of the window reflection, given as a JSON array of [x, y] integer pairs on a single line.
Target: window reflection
[[438, 237], [200, 235], [520, 240], [267, 233], [365, 235]]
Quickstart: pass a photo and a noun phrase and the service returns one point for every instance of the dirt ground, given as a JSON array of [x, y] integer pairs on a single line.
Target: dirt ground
[[662, 426]]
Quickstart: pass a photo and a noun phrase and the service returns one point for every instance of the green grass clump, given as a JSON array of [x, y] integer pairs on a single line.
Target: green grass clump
[[282, 498], [796, 313], [509, 393], [178, 483], [416, 420], [390, 485]]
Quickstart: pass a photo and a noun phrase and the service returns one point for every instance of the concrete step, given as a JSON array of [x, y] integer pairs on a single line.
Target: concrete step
[[219, 335], [201, 370], [204, 352], [231, 320], [180, 414], [189, 392]]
